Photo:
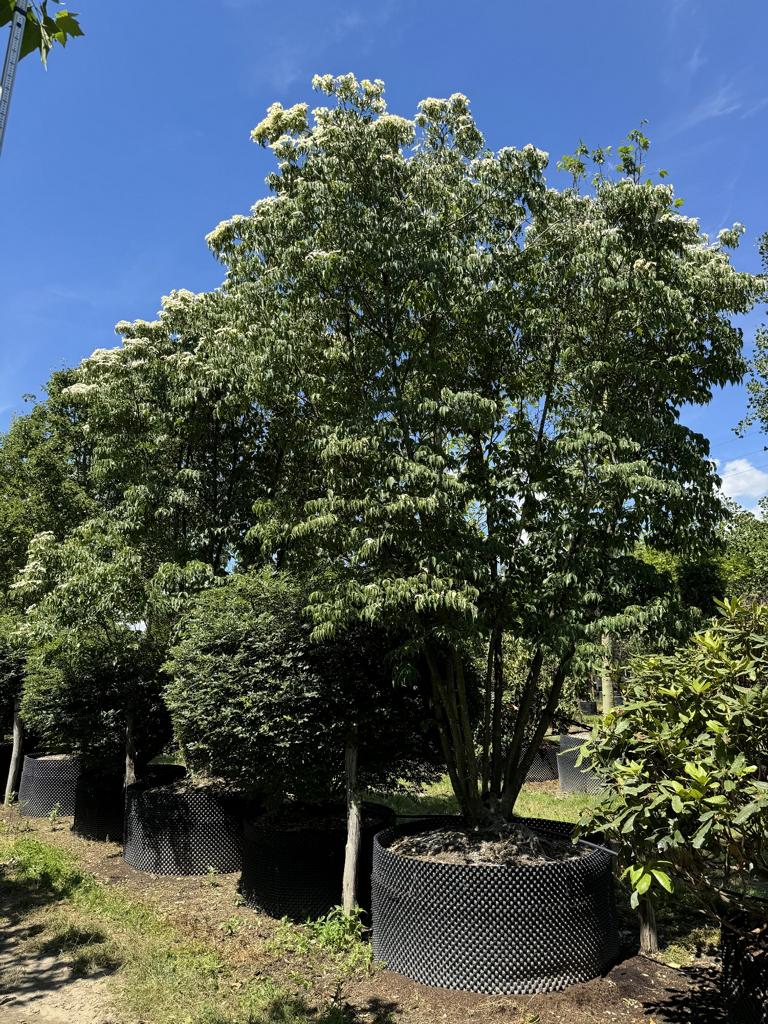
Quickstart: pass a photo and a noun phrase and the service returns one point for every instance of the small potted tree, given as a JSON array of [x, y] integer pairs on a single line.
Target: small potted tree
[[304, 727]]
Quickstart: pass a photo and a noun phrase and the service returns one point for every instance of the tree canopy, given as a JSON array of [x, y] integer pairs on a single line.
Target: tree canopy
[[493, 370]]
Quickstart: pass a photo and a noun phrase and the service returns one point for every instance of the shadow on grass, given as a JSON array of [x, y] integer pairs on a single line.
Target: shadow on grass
[[285, 1008], [21, 897]]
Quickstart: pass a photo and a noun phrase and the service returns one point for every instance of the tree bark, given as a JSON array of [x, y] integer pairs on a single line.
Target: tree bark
[[607, 673], [130, 749], [11, 786], [354, 825], [516, 770], [649, 937]]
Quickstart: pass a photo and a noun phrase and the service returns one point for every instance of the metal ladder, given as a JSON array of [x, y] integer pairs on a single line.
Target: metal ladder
[[11, 61]]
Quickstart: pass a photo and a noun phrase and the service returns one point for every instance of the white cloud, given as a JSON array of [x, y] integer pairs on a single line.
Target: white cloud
[[743, 480]]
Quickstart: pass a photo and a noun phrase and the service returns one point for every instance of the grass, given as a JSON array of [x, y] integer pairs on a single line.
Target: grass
[[159, 975], [535, 801]]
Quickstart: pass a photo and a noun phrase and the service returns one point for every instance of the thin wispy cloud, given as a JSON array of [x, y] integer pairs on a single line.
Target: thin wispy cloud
[[724, 101], [755, 108], [676, 13], [286, 59], [695, 62]]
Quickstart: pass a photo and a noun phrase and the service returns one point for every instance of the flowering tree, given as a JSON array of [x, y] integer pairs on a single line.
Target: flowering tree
[[492, 372], [44, 486], [178, 455]]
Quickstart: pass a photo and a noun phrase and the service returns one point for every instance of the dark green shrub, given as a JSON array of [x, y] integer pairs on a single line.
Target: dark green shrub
[[686, 764], [255, 701]]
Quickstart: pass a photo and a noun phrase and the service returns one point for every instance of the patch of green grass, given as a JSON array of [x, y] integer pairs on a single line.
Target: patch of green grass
[[159, 975], [535, 801]]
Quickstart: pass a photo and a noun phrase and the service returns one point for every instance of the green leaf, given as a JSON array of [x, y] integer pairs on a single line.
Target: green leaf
[[663, 879]]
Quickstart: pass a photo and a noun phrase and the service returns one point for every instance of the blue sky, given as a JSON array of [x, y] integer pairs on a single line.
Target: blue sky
[[135, 143]]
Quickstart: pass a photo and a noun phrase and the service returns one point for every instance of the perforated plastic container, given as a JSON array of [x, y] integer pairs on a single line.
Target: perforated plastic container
[[181, 830], [544, 766], [293, 868], [99, 806], [48, 784], [493, 928], [573, 778]]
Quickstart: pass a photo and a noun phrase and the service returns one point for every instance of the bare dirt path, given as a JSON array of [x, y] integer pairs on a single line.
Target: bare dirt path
[[37, 987]]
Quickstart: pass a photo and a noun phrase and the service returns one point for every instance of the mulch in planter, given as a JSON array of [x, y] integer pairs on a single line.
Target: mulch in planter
[[48, 783], [182, 829], [575, 779], [744, 980], [293, 859], [495, 928]]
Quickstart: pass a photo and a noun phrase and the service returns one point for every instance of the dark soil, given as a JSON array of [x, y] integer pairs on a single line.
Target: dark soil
[[512, 844]]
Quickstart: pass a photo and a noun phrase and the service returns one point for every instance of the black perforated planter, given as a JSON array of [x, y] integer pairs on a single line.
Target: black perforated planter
[[100, 799], [544, 766], [99, 806], [293, 865], [575, 779], [48, 784], [493, 928], [588, 707], [6, 749], [181, 830], [744, 978]]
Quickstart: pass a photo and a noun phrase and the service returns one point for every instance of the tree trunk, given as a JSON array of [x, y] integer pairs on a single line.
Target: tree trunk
[[11, 785], [607, 674], [130, 749], [354, 824], [649, 937]]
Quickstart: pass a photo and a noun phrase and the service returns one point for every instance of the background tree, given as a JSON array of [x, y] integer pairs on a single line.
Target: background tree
[[97, 631], [257, 702], [493, 371], [44, 486], [180, 452]]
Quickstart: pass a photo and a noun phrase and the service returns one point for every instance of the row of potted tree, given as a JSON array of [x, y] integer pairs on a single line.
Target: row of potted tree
[[386, 490]]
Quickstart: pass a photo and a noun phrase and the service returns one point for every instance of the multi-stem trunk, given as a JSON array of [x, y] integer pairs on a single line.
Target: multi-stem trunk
[[354, 825], [11, 785], [457, 733], [487, 774]]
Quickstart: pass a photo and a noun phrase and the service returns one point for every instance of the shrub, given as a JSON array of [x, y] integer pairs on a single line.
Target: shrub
[[255, 701], [687, 766]]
